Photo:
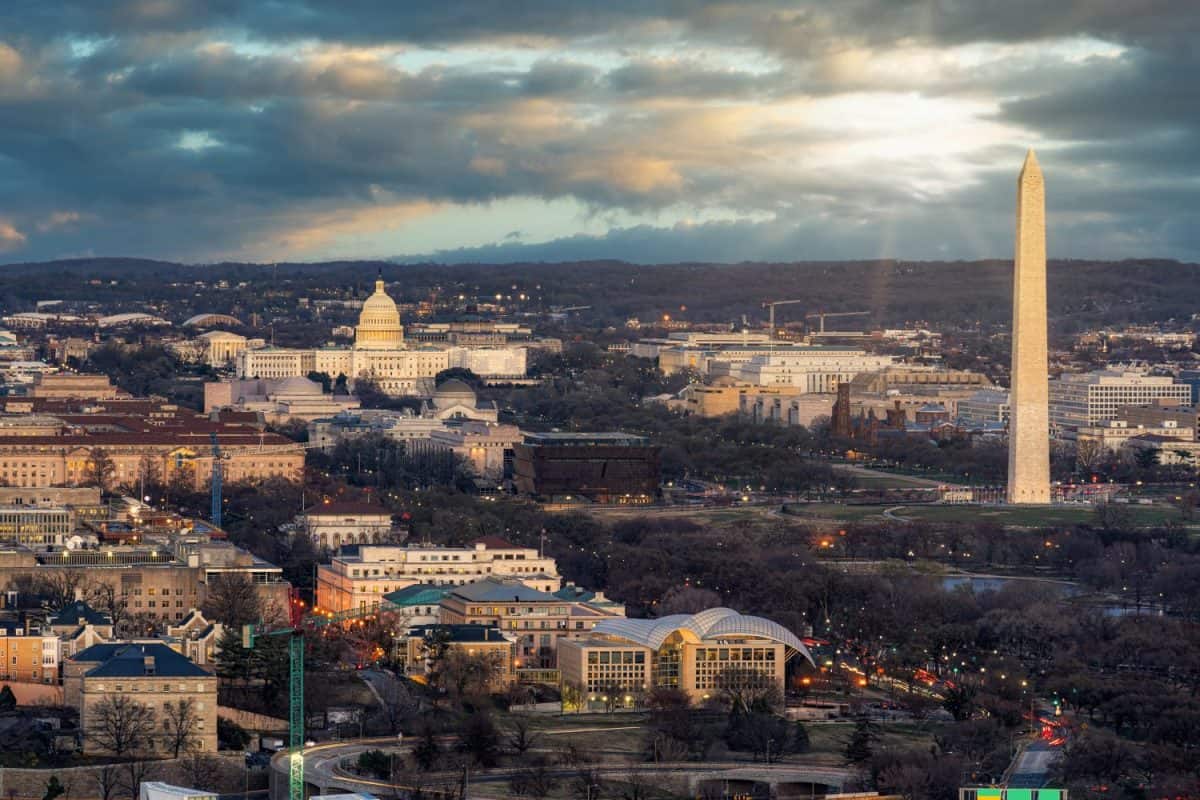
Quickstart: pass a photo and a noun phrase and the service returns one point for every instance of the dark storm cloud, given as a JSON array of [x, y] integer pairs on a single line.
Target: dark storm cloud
[[207, 128]]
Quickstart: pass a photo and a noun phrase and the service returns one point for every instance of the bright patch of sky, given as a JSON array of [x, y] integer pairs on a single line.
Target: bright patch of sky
[[529, 220], [196, 140]]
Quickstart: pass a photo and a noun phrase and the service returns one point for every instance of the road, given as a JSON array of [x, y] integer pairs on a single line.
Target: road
[[322, 766], [1032, 769], [867, 472]]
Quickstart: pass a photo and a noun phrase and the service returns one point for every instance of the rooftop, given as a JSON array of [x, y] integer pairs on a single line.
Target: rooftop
[[586, 439], [79, 610], [495, 543], [460, 633], [419, 594], [340, 508], [709, 625], [124, 660], [500, 590]]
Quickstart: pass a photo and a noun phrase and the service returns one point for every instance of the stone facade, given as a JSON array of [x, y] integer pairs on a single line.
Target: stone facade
[[1029, 429]]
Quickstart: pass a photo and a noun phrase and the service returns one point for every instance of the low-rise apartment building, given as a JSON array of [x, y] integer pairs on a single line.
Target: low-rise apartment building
[[28, 653]]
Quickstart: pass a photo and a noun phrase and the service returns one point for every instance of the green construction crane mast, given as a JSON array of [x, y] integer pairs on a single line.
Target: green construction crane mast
[[295, 633]]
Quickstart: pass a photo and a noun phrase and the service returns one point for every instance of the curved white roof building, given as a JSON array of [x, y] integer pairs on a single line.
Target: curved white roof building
[[130, 318], [713, 624], [702, 654], [209, 320]]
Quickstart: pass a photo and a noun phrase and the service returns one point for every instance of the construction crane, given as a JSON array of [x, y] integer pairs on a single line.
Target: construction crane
[[299, 623], [771, 316], [821, 315]]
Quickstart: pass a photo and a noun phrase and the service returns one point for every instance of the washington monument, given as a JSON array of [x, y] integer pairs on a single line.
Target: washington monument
[[1029, 425]]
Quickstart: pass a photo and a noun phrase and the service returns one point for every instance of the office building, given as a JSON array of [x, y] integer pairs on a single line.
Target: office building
[[485, 448], [484, 641], [700, 654], [452, 402], [152, 674], [359, 577], [51, 442], [1191, 377], [277, 400], [70, 385], [1166, 451], [807, 370], [1087, 399], [331, 524], [163, 580], [36, 527], [985, 406], [539, 620]]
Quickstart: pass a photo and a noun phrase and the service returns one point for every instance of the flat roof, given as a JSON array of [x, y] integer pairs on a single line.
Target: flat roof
[[579, 438]]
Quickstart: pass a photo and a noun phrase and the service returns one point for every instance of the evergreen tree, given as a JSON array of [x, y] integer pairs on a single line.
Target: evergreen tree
[[859, 748], [233, 660], [54, 788], [480, 739], [8, 700], [800, 740], [428, 750]]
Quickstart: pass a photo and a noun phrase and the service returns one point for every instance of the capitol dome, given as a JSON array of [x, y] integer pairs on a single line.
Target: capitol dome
[[379, 323]]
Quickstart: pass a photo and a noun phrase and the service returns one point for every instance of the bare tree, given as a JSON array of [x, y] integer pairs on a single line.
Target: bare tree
[[202, 771], [61, 587], [1089, 454], [108, 781], [180, 726], [688, 600], [521, 736], [104, 597], [397, 702], [745, 689], [533, 780], [99, 469], [461, 673], [136, 773], [232, 599], [121, 725]]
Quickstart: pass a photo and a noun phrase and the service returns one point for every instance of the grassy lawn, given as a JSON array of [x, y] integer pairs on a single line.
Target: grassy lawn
[[610, 737], [616, 739], [833, 511], [1033, 517]]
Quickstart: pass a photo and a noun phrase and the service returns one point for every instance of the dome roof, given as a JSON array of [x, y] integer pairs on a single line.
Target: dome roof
[[379, 307], [297, 385], [379, 322], [453, 388]]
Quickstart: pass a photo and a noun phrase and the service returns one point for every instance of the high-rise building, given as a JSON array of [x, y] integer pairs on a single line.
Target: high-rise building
[[1029, 428]]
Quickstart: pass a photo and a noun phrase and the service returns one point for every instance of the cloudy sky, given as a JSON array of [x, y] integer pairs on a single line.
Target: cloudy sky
[[649, 130]]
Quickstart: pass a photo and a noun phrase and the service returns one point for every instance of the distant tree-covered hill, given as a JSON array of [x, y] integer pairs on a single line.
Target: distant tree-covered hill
[[1082, 293]]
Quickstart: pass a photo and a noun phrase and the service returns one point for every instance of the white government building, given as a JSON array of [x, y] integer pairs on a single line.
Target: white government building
[[381, 354], [359, 577]]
